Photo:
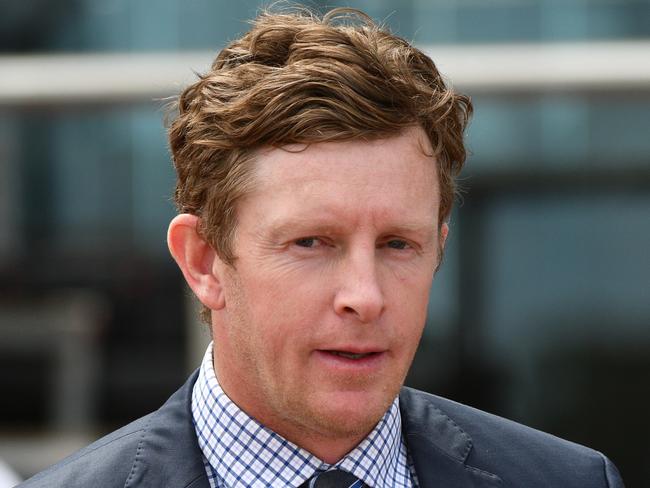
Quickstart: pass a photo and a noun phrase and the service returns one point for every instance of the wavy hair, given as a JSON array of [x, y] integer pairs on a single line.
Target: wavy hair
[[296, 77]]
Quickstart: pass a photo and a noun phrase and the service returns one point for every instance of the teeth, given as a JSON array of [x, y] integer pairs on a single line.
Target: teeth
[[349, 355]]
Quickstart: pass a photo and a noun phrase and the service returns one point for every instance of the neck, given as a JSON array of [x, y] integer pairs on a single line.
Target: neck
[[329, 449], [326, 446]]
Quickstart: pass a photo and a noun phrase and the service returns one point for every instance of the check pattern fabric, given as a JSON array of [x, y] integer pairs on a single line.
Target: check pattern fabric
[[240, 452]]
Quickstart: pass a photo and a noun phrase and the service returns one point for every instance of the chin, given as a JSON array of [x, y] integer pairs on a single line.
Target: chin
[[350, 414]]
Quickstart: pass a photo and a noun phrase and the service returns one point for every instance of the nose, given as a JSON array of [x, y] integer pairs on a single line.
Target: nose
[[360, 295]]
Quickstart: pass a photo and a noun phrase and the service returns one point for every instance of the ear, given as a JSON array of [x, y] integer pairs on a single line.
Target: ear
[[442, 239], [444, 232], [196, 259]]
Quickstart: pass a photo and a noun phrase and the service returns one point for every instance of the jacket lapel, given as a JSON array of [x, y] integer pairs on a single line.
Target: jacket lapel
[[168, 454], [438, 447]]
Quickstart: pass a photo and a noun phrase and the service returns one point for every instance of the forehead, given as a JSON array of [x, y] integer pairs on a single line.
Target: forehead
[[409, 148], [392, 177]]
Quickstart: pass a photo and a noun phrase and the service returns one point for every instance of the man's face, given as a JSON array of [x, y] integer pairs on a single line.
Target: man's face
[[324, 307]]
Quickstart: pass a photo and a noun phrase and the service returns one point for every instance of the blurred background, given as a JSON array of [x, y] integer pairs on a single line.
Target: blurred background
[[540, 313]]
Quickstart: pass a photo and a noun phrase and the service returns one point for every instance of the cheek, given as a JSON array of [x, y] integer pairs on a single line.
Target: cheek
[[281, 314], [408, 284], [409, 297], [289, 288]]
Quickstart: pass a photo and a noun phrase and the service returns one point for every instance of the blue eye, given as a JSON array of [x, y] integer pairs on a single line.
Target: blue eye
[[396, 244], [306, 242]]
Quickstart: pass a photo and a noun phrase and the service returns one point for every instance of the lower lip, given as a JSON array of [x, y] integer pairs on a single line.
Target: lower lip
[[365, 363]]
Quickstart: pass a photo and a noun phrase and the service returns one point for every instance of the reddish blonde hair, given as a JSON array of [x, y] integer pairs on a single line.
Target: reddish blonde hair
[[299, 78]]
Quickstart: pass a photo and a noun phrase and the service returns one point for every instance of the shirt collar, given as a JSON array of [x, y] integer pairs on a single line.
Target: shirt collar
[[239, 451]]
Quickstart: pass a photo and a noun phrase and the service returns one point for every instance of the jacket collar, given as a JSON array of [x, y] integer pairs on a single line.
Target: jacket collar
[[438, 446], [168, 453]]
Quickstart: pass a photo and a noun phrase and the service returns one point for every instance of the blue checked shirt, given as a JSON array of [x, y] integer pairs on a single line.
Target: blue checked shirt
[[240, 452]]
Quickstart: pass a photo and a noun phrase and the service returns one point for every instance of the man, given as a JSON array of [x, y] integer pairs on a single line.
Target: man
[[316, 164]]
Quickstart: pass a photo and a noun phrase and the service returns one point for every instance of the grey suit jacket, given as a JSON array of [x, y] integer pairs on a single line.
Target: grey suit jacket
[[452, 446]]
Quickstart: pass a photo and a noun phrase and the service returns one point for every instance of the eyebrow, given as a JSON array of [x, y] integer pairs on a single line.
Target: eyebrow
[[313, 225], [310, 225]]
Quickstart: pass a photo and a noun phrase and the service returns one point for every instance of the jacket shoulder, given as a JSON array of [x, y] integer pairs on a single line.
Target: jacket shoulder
[[517, 454], [106, 462], [159, 449]]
